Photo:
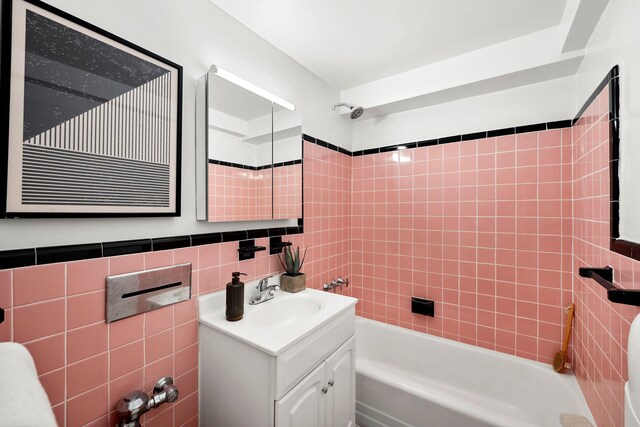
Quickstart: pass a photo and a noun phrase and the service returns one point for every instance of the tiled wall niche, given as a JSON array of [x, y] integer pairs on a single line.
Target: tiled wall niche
[[57, 309]]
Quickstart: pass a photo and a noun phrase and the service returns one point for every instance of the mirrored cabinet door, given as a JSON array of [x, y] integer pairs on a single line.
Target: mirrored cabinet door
[[239, 153], [287, 164], [249, 152]]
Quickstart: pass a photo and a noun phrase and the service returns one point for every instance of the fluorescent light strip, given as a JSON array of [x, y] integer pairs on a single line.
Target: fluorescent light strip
[[251, 87]]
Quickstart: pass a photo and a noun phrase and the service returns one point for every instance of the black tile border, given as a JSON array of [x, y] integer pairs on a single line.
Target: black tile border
[[616, 244], [126, 247], [612, 74], [257, 234], [537, 127], [53, 254], [233, 236], [165, 243], [501, 132], [255, 168], [16, 258], [206, 239]]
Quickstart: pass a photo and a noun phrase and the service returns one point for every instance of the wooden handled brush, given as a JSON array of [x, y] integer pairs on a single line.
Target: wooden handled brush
[[560, 359]]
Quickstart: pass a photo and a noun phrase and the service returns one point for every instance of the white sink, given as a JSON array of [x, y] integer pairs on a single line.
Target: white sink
[[275, 325], [285, 311]]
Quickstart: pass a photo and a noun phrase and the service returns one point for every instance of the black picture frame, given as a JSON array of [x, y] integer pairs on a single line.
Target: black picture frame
[[165, 85]]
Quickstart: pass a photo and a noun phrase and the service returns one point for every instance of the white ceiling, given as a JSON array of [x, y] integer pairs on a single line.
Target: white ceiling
[[352, 42]]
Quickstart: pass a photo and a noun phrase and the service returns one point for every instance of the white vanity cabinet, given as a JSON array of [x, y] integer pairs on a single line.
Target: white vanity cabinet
[[299, 374], [325, 397]]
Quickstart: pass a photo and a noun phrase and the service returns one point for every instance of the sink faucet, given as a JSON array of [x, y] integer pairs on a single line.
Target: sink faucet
[[264, 291]]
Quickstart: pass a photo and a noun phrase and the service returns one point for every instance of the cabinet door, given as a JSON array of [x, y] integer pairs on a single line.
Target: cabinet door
[[340, 406], [304, 405]]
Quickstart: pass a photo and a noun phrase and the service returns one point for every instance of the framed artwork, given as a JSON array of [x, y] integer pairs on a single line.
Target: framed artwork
[[91, 124]]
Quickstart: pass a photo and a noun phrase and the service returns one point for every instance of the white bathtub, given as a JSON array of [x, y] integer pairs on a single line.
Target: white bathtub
[[405, 378]]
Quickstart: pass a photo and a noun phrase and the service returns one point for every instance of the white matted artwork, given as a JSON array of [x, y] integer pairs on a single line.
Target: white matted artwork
[[92, 122]]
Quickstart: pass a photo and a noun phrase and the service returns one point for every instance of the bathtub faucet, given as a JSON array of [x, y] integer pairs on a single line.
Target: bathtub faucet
[[335, 284]]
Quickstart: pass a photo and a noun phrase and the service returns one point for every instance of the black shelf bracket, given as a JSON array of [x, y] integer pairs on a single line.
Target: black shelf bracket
[[247, 249], [604, 277]]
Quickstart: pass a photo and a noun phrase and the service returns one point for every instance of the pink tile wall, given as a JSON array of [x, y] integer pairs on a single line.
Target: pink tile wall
[[327, 214], [481, 227], [601, 328], [287, 192], [85, 365]]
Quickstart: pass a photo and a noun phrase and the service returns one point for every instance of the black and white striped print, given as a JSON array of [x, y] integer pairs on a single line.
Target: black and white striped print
[[117, 154], [134, 126]]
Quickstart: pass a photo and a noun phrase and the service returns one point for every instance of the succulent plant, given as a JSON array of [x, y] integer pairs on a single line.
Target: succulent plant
[[292, 262]]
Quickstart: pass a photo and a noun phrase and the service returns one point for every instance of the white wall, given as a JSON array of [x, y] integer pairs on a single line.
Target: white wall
[[194, 34], [537, 103], [616, 40]]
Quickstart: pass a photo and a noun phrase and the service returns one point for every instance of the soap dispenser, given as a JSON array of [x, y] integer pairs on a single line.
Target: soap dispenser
[[235, 297]]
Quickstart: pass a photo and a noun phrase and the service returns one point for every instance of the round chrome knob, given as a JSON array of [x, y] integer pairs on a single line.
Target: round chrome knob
[[331, 383], [172, 393], [325, 390], [162, 383]]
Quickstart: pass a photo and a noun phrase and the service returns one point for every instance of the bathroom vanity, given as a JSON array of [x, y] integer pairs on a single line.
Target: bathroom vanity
[[290, 362]]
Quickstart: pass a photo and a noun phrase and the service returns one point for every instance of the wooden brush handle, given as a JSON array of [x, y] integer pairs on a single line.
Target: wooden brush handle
[[567, 333]]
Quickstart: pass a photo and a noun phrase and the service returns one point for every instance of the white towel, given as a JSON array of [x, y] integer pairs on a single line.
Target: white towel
[[23, 401]]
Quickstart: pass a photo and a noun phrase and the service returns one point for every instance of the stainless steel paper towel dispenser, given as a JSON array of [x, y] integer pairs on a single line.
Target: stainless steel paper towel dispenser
[[135, 293]]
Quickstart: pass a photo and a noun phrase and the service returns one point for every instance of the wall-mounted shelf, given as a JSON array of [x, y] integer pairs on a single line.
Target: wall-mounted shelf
[[604, 277]]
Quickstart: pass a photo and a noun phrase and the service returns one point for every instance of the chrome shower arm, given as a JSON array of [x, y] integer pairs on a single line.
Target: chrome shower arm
[[341, 104]]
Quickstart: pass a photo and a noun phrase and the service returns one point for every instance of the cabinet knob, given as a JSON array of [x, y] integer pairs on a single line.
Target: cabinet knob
[[325, 390], [331, 383]]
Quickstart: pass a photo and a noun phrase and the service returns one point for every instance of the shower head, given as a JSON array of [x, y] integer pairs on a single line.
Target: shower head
[[356, 112]]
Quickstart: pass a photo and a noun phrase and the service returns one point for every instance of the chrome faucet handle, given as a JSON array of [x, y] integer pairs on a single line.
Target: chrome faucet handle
[[273, 289], [326, 286], [263, 283]]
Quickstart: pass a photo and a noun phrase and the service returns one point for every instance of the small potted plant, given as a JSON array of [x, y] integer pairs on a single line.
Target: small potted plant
[[292, 280]]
